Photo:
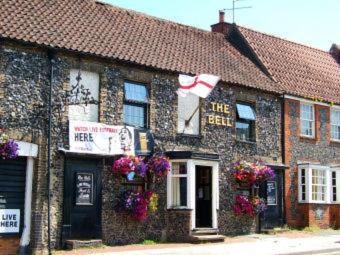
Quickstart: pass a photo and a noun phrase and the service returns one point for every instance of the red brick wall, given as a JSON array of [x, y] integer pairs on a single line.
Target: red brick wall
[[9, 245], [306, 213]]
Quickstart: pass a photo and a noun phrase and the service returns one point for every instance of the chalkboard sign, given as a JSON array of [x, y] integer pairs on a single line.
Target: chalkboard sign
[[271, 193], [84, 189]]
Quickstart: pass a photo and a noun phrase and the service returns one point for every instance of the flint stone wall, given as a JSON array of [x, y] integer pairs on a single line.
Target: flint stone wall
[[28, 68]]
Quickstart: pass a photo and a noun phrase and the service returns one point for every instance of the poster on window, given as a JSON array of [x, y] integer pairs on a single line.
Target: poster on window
[[9, 220], [98, 138], [84, 189], [271, 193]]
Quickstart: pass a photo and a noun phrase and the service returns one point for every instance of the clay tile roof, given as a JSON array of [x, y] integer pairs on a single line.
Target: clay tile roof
[[91, 27], [299, 70]]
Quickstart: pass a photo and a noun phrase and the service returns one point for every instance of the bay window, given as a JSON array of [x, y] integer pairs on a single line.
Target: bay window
[[318, 184], [335, 125], [307, 120]]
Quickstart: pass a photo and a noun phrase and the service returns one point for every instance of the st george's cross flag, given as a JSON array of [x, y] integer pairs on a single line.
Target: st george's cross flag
[[200, 85]]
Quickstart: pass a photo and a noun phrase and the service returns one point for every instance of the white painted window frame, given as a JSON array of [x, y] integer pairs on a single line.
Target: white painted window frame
[[337, 172], [191, 188], [308, 179], [310, 120], [337, 110]]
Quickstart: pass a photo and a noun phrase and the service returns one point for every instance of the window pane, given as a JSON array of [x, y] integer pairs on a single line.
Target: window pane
[[245, 112], [243, 131], [134, 115], [179, 168], [335, 125], [135, 92], [179, 191]]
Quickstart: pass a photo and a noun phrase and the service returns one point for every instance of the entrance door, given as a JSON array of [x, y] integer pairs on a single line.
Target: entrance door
[[83, 198], [272, 191], [203, 196]]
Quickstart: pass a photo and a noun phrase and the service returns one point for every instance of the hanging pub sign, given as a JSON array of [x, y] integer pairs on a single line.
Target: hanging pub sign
[[98, 138], [9, 220], [144, 142]]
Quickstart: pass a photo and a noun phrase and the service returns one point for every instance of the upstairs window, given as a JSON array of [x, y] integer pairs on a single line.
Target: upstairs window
[[84, 87], [307, 122], [245, 122], [136, 99], [188, 115], [335, 125]]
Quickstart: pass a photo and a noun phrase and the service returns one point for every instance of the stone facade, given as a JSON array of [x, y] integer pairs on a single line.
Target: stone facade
[[24, 82], [319, 150]]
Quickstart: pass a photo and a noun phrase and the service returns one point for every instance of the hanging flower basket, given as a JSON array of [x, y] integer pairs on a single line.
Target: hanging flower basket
[[243, 206], [249, 206], [138, 205], [9, 149], [247, 174], [158, 166], [129, 167]]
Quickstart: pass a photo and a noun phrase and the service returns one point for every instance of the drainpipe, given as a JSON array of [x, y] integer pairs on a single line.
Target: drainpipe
[[49, 138], [283, 148], [25, 237]]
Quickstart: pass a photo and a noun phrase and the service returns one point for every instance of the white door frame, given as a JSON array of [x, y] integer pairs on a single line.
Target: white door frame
[[214, 190], [191, 188]]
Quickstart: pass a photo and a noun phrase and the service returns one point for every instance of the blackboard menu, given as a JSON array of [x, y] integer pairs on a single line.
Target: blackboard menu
[[271, 193], [84, 189]]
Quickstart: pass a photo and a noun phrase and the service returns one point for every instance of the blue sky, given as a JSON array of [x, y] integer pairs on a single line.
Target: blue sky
[[314, 23]]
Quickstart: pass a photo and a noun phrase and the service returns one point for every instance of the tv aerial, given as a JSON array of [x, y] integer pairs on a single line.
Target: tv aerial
[[236, 8]]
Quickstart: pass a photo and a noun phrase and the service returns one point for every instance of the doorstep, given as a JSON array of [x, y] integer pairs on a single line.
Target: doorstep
[[205, 235], [75, 244]]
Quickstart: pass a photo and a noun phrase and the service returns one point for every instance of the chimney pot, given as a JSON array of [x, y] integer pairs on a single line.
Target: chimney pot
[[221, 16]]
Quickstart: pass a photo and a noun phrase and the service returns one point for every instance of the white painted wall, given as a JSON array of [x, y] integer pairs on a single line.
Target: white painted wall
[[90, 81]]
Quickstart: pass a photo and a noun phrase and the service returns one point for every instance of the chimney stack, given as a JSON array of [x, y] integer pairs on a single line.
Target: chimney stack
[[222, 26], [221, 12], [335, 52]]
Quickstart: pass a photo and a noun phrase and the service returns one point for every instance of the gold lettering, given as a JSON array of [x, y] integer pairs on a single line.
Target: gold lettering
[[211, 119], [224, 123], [229, 122], [213, 106], [219, 107], [226, 108], [218, 120]]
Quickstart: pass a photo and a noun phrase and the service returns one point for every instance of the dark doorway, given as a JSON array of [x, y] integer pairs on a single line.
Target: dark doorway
[[272, 192], [82, 199], [203, 196]]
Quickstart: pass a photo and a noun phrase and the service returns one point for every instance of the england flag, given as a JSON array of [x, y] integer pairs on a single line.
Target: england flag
[[200, 85]]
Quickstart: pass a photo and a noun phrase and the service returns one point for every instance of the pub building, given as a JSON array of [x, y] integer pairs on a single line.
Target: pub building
[[113, 75]]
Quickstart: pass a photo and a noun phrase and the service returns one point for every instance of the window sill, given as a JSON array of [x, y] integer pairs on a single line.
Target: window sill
[[179, 209], [189, 135], [315, 202], [245, 141], [308, 139], [335, 142]]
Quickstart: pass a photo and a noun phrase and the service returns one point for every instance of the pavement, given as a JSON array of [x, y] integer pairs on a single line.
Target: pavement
[[282, 244]]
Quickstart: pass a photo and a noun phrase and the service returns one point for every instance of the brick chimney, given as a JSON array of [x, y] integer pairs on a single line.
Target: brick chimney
[[335, 52], [221, 27]]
